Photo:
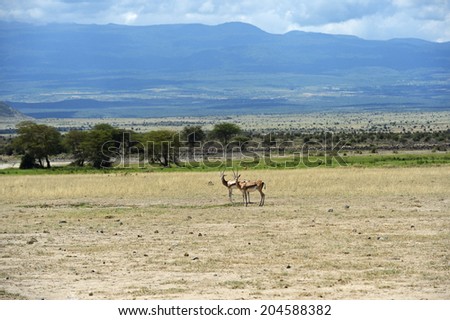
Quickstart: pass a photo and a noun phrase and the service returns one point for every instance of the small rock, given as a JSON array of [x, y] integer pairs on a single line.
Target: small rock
[[330, 210], [288, 266], [63, 221], [156, 231], [200, 234], [186, 254], [346, 206], [139, 236], [195, 258], [189, 218], [91, 294], [32, 240]]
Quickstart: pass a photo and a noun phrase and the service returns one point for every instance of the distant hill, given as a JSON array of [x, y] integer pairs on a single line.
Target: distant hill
[[7, 112], [199, 68], [234, 47]]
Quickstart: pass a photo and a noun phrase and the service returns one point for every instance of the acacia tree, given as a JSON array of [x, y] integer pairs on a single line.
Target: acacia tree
[[225, 131], [101, 145], [36, 142], [162, 146], [192, 137], [73, 142]]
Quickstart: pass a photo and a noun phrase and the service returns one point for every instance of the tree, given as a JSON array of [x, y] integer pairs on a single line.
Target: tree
[[225, 131], [243, 142], [162, 146], [101, 145], [73, 142], [192, 137], [38, 142]]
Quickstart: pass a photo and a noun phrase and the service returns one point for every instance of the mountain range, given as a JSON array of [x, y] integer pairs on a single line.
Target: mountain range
[[9, 113], [186, 69]]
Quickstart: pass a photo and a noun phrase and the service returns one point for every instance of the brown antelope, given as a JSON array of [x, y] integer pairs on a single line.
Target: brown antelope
[[231, 184], [249, 186]]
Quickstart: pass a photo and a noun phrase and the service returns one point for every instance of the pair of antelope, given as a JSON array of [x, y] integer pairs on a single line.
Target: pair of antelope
[[245, 187]]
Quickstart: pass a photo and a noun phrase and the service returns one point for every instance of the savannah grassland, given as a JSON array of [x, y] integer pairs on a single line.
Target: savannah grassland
[[307, 122], [324, 233]]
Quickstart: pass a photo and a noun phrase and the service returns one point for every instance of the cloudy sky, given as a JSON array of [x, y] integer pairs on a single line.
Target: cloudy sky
[[369, 19]]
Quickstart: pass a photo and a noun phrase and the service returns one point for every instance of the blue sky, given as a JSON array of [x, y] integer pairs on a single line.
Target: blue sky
[[369, 19]]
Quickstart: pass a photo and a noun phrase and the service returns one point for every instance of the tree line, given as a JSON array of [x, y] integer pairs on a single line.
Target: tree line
[[97, 147], [36, 143]]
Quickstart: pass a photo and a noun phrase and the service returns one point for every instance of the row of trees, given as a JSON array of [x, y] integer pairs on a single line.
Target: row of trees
[[98, 146], [37, 142]]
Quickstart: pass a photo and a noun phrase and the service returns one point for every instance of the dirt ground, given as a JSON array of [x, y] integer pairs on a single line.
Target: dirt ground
[[323, 234]]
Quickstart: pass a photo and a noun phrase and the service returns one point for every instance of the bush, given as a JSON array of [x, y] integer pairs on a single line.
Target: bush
[[28, 162]]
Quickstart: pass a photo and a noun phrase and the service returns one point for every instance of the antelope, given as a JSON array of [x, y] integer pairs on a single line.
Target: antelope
[[248, 186], [231, 184]]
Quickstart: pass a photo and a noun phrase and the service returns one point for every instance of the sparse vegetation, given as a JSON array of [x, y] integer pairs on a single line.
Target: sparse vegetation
[[105, 145]]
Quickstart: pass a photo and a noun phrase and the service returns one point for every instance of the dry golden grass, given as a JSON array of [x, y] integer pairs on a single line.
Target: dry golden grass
[[174, 235], [345, 182]]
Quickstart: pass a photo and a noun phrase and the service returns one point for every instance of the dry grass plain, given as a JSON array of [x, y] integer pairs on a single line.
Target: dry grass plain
[[343, 233], [347, 121]]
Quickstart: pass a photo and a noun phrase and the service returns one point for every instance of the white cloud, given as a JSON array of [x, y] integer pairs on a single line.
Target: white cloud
[[130, 17], [372, 19], [207, 7], [396, 24]]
